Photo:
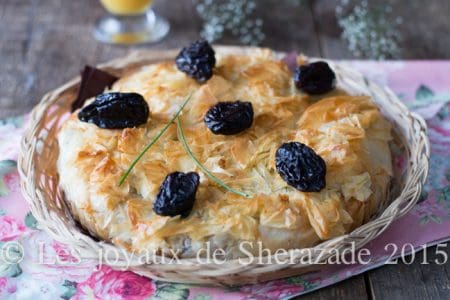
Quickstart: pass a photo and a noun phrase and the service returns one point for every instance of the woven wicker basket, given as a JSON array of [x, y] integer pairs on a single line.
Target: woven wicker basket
[[39, 182]]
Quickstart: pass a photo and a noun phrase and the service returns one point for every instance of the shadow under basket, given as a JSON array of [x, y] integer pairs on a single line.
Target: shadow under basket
[[39, 183]]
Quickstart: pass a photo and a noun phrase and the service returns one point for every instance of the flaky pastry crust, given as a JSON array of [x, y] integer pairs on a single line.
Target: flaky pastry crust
[[348, 132]]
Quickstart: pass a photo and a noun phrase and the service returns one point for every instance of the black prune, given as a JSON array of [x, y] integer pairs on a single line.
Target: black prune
[[229, 118], [116, 111], [177, 194], [300, 167], [315, 78], [197, 60]]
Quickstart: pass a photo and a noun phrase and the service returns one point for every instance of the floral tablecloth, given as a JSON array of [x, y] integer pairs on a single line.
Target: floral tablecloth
[[33, 266]]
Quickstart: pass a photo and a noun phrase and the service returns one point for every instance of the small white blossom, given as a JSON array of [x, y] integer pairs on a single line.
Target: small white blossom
[[369, 31], [233, 16]]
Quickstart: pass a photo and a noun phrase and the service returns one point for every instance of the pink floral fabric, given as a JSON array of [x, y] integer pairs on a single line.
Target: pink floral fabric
[[10, 228], [105, 283], [54, 272]]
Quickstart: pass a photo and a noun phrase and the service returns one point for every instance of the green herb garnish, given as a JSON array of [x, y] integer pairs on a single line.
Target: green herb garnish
[[155, 139], [201, 167]]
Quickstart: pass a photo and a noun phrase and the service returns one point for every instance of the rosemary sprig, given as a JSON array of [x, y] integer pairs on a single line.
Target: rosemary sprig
[[155, 139], [201, 167]]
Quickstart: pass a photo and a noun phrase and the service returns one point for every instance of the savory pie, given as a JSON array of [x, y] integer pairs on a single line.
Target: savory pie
[[348, 132]]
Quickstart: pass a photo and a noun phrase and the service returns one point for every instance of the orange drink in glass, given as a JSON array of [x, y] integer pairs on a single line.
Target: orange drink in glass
[[130, 22]]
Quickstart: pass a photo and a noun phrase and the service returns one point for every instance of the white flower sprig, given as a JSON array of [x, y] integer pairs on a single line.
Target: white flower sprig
[[370, 31], [233, 16]]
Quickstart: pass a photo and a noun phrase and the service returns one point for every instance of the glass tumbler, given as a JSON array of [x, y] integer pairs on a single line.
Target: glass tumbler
[[130, 22]]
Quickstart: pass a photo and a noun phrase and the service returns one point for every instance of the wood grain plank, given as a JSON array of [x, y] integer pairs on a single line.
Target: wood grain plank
[[288, 27], [352, 288], [328, 30], [15, 80], [47, 43], [413, 282]]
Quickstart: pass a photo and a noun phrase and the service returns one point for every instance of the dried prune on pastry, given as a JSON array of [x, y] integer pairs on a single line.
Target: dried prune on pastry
[[315, 78], [229, 118], [197, 60], [300, 167], [116, 111], [177, 194]]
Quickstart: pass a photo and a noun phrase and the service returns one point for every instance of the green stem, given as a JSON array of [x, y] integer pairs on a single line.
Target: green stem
[[155, 139], [201, 167]]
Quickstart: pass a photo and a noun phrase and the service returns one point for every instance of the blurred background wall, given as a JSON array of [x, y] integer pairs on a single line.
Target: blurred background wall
[[46, 42]]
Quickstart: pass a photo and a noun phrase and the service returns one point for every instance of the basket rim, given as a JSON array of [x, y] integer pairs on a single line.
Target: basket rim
[[363, 233]]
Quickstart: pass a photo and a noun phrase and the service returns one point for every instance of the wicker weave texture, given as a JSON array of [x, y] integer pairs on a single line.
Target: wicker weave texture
[[39, 183]]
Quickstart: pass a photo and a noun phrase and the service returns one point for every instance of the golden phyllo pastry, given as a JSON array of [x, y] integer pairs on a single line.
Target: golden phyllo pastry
[[347, 132]]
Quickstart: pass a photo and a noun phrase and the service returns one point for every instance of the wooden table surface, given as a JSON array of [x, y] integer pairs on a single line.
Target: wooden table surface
[[43, 43]]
